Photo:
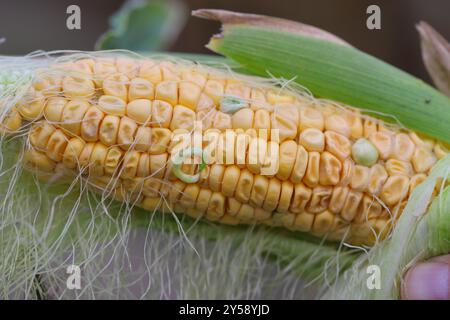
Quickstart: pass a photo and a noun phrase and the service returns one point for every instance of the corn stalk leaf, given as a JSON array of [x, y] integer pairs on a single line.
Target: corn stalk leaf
[[338, 72], [436, 56]]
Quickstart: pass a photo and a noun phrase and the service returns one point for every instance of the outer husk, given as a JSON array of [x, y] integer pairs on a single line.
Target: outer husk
[[338, 72]]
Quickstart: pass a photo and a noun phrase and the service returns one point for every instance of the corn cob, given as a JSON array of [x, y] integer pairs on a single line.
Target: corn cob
[[118, 123]]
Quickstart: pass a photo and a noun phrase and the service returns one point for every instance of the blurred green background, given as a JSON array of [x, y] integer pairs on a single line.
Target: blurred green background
[[30, 25]]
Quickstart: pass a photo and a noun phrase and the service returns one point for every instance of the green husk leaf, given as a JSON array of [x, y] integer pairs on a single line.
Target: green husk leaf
[[338, 72]]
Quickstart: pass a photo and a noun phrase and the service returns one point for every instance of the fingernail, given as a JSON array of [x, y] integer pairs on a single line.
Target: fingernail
[[428, 281]]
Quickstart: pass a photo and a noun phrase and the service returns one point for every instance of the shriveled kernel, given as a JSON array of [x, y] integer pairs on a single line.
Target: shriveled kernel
[[378, 176], [320, 199], [195, 76], [369, 127], [216, 205], [261, 122], [338, 198], [416, 180], [127, 130], [243, 119], [85, 155], [394, 190], [288, 154], [369, 208], [222, 121], [347, 172], [73, 115], [259, 190], [189, 94], [112, 160], [360, 179], [176, 191], [54, 109], [140, 110], [256, 154], [91, 124], [56, 145], [150, 71], [304, 221], [78, 86], [189, 196], [287, 190], [233, 206], [423, 159], [329, 170], [203, 199], [158, 165], [102, 69], [230, 180], [143, 138], [384, 142], [422, 141], [364, 152], [312, 139], [143, 169], [285, 120], [116, 85], [395, 167], [72, 152], [404, 147], [167, 91], [322, 223], [302, 194], [112, 105], [216, 177], [300, 165], [128, 67], [338, 145], [242, 143], [97, 160], [311, 178], [38, 161], [160, 140], [351, 205], [130, 163], [356, 125], [311, 118], [33, 109], [246, 212], [273, 195], [215, 89], [109, 128], [183, 118], [337, 124], [141, 89], [161, 114], [40, 134], [244, 186]]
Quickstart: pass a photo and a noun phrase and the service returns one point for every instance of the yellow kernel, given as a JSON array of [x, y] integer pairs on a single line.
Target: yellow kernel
[[116, 85], [143, 138], [56, 145], [337, 124], [167, 91], [140, 110], [160, 140], [78, 86], [109, 128], [273, 195], [423, 159], [243, 119], [320, 199], [259, 190], [189, 94], [127, 130], [311, 178], [302, 194], [130, 164], [141, 89], [112, 105], [330, 169], [360, 178], [312, 139], [54, 109], [378, 177], [183, 118], [394, 190], [72, 152], [91, 124], [403, 148], [311, 118], [97, 160]]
